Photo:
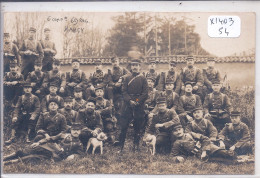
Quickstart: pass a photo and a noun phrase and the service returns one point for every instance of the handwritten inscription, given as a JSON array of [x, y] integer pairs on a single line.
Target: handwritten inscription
[[224, 26]]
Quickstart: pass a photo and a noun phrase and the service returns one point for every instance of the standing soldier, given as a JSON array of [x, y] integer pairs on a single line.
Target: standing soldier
[[192, 74], [49, 50], [150, 103], [210, 74], [36, 79], [55, 76], [30, 51], [217, 107], [75, 78], [135, 92], [235, 136], [25, 114], [152, 73], [170, 75], [11, 52], [78, 102]]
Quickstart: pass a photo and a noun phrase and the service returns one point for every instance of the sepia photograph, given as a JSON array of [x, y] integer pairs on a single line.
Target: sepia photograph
[[129, 93]]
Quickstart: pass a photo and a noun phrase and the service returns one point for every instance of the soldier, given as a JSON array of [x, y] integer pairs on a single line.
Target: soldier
[[78, 102], [150, 103], [192, 74], [52, 97], [68, 112], [55, 76], [152, 73], [105, 108], [160, 124], [49, 50], [50, 123], [25, 114], [210, 74], [135, 92], [235, 136], [170, 75], [91, 122], [11, 52], [187, 103], [36, 79], [201, 125], [189, 144], [75, 78], [217, 107], [69, 148], [30, 51]]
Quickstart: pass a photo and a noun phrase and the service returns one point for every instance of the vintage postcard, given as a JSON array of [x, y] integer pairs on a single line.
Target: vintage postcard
[[129, 93]]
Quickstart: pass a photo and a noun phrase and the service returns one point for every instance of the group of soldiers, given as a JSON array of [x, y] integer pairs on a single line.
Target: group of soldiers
[[59, 112]]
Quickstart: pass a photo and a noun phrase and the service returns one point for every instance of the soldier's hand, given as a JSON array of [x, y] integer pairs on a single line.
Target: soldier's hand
[[62, 90], [132, 103], [92, 87], [232, 148], [35, 145], [32, 118], [195, 87], [207, 115], [47, 137], [150, 115], [14, 82], [203, 155], [38, 91], [118, 84], [189, 118], [221, 144], [179, 159], [158, 125], [14, 119], [212, 139]]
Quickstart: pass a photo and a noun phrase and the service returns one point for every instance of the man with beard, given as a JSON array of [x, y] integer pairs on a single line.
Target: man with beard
[[25, 114], [36, 79], [135, 92], [11, 52], [217, 107], [49, 51], [160, 124], [55, 76], [75, 78], [91, 122], [152, 73], [78, 102], [171, 75], [30, 51]]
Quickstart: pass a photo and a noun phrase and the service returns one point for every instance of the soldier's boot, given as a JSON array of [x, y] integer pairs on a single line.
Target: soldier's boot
[[10, 156], [28, 136], [12, 138]]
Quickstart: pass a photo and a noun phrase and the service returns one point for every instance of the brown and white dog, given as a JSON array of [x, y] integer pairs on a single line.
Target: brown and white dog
[[150, 141], [97, 142]]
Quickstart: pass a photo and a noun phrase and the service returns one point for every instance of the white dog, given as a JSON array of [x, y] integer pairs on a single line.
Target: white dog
[[150, 141], [97, 142]]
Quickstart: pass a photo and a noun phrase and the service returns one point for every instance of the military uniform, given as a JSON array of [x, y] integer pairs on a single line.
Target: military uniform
[[50, 98], [28, 59], [49, 53], [209, 75], [238, 135], [11, 52], [151, 100], [69, 114], [78, 102]]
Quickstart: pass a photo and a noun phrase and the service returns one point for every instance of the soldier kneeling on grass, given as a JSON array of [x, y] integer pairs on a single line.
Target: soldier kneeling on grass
[[69, 148], [195, 144]]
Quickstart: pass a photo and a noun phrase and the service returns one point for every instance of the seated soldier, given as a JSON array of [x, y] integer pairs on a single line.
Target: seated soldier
[[104, 107], [78, 102], [50, 123], [187, 103], [235, 136], [210, 74], [160, 124], [189, 144], [69, 148], [91, 122], [52, 97], [36, 79], [25, 114], [68, 112], [201, 125], [217, 107], [75, 78]]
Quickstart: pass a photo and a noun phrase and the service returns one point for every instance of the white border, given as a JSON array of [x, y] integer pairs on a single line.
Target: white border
[[162, 6]]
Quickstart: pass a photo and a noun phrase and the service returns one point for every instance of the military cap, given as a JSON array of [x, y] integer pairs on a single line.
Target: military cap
[[53, 84], [13, 63], [6, 35], [134, 61], [75, 60], [92, 100], [27, 84], [76, 126], [211, 59], [172, 62], [46, 30], [151, 78], [161, 100], [189, 58], [188, 83], [99, 87], [169, 81], [114, 59], [215, 82], [56, 61], [77, 89], [197, 108], [38, 63], [176, 126], [68, 99], [32, 29], [235, 113], [98, 61]]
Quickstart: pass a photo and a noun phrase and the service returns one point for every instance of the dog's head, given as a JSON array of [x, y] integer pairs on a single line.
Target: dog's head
[[102, 136], [148, 139]]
